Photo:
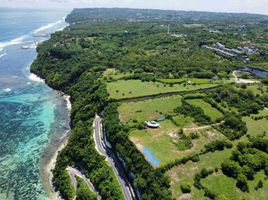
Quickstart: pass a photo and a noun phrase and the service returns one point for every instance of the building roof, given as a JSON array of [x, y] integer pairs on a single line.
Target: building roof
[[152, 124]]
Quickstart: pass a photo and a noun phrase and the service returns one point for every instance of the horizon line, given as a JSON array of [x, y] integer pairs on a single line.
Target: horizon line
[[116, 7]]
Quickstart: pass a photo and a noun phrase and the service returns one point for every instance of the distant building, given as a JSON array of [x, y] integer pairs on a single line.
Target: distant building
[[227, 52], [246, 61], [152, 124]]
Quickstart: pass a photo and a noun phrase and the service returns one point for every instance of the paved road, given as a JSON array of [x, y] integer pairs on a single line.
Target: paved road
[[74, 172], [113, 161]]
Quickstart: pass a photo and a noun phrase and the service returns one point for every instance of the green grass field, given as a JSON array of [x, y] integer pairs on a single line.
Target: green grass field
[[257, 127], [256, 89], [136, 88], [148, 110], [184, 174], [194, 80], [183, 121], [163, 141], [226, 186], [213, 113]]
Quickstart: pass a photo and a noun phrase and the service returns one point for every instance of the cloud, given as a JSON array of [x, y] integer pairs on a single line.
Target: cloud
[[253, 6]]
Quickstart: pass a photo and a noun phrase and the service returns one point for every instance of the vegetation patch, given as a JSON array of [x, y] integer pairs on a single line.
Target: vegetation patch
[[111, 74], [185, 173], [148, 110], [193, 111], [257, 124], [246, 161], [83, 191], [190, 81], [168, 143], [213, 113], [136, 88]]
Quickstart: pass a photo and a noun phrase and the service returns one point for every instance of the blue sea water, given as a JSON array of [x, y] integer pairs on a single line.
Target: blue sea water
[[33, 118]]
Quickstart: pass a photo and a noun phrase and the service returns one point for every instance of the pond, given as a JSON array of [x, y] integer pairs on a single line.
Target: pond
[[150, 157], [255, 71]]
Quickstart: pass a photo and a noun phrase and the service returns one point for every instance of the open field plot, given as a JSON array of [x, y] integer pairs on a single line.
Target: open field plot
[[183, 121], [213, 113], [257, 127], [257, 89], [136, 88], [194, 81], [148, 110], [113, 74], [164, 142], [226, 186], [184, 174]]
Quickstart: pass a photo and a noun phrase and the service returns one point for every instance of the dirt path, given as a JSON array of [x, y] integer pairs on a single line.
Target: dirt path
[[192, 129]]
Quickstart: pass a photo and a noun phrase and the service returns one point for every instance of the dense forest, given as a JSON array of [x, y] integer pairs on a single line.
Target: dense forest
[[136, 42]]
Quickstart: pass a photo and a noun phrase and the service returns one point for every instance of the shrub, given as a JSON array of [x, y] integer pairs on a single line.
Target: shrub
[[185, 188], [242, 183]]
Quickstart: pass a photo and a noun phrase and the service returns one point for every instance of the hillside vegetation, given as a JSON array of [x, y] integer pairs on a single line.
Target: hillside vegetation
[[123, 62]]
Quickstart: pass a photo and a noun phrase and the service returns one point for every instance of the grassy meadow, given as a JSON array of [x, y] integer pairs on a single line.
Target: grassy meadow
[[148, 110], [136, 88], [213, 113], [184, 174], [163, 142]]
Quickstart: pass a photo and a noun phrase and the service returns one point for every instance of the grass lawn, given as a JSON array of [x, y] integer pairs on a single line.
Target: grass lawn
[[136, 88], [257, 127], [183, 121], [148, 110], [162, 142], [194, 80], [185, 173], [255, 89], [213, 113], [226, 186]]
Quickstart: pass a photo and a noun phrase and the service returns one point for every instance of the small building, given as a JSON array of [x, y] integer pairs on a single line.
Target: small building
[[152, 124]]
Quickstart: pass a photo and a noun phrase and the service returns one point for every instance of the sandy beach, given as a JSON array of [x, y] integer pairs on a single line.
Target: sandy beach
[[48, 161], [55, 149]]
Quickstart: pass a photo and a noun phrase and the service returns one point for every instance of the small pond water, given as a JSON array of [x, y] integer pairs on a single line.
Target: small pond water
[[150, 157], [255, 71]]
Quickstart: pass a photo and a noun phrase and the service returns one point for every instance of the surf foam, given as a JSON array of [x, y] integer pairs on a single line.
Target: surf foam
[[7, 90], [35, 78], [47, 27], [2, 55], [17, 40]]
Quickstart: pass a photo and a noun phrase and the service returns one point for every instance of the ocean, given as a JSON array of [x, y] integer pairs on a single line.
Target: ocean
[[34, 119]]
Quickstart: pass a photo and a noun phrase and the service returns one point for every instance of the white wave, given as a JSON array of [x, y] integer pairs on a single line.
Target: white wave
[[48, 27], [7, 90], [35, 78], [2, 55], [17, 40]]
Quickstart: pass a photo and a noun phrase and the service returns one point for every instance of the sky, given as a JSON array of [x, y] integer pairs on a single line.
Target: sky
[[249, 6]]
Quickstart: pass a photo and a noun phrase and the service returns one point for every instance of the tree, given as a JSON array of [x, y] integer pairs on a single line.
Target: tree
[[242, 183], [185, 188], [83, 192], [231, 168]]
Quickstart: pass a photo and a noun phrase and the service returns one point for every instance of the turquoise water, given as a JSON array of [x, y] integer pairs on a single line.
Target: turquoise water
[[150, 157], [33, 118]]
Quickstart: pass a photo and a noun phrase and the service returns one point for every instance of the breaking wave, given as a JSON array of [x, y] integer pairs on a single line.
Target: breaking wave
[[50, 27], [2, 55], [17, 40], [35, 78], [7, 90]]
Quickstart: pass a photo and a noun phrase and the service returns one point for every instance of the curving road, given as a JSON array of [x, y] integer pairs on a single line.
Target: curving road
[[112, 160], [73, 173]]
